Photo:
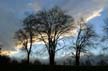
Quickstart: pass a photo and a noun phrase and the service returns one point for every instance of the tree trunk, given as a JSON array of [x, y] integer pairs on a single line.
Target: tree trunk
[[28, 58], [30, 46], [52, 58], [77, 58]]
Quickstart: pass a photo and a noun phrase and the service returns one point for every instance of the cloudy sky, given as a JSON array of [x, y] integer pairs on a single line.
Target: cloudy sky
[[12, 13]]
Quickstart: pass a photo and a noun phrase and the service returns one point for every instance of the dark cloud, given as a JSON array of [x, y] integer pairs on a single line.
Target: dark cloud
[[8, 25]]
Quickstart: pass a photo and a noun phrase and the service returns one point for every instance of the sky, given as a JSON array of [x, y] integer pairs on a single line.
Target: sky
[[12, 12]]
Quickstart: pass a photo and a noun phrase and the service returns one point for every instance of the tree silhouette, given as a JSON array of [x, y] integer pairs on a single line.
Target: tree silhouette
[[28, 27], [25, 35], [84, 39], [50, 25], [22, 39]]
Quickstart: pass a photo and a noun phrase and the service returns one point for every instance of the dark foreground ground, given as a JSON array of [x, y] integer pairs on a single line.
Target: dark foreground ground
[[24, 67]]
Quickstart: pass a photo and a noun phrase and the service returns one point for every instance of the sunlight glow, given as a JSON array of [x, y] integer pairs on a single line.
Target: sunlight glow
[[5, 52], [8, 52]]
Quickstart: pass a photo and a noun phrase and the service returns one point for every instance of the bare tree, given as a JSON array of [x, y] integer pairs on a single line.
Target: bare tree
[[26, 34], [84, 39], [28, 24], [22, 39], [50, 25]]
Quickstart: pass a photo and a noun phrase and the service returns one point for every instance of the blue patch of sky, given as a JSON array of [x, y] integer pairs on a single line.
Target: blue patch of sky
[[98, 23]]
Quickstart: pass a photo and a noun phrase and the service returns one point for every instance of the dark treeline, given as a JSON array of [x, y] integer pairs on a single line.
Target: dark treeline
[[48, 26]]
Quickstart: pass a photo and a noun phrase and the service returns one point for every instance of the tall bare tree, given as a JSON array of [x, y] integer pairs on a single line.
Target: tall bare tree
[[50, 25], [21, 37], [84, 39], [28, 26], [27, 33]]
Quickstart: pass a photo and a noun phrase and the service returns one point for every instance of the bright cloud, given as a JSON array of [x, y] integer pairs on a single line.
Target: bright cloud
[[95, 14]]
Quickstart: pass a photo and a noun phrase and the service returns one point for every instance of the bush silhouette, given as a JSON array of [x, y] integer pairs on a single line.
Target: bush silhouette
[[4, 59]]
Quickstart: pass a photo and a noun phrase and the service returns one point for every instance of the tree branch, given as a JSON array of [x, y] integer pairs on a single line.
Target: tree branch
[[60, 48], [42, 38]]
